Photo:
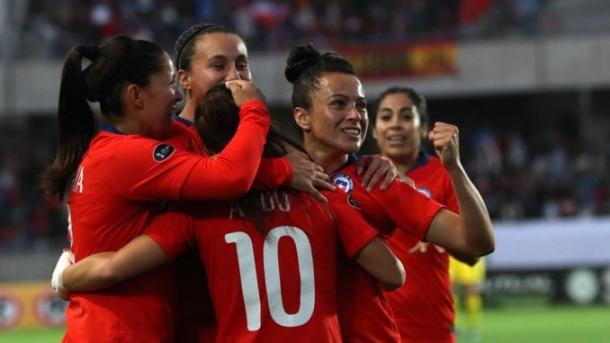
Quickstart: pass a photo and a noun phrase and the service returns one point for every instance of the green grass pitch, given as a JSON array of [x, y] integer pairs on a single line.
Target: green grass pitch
[[564, 324], [561, 324], [32, 336]]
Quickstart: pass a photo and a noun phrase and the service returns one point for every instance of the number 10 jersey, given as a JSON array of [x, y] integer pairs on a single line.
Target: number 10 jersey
[[276, 285]]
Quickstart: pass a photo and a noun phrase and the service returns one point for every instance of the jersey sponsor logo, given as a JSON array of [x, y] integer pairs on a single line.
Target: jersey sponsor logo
[[162, 152], [425, 191], [344, 182]]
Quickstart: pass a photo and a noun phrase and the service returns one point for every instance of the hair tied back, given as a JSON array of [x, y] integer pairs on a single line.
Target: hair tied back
[[90, 52], [187, 36], [301, 58]]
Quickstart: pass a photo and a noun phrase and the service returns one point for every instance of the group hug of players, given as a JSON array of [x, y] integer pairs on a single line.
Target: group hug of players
[[210, 225]]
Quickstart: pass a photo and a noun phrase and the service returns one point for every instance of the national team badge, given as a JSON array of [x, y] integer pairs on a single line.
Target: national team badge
[[162, 152], [353, 203], [343, 181]]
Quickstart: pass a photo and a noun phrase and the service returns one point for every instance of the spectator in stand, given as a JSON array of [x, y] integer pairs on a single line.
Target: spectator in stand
[[267, 24]]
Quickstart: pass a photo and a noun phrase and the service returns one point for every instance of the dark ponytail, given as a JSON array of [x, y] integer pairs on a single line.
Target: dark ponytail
[[76, 124], [114, 65], [217, 118]]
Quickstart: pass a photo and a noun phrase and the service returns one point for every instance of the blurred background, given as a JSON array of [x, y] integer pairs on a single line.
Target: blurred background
[[527, 82]]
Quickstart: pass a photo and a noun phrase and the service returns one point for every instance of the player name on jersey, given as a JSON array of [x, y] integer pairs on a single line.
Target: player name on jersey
[[270, 201]]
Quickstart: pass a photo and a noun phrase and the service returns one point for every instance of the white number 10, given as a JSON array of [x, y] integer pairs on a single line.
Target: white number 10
[[249, 281]]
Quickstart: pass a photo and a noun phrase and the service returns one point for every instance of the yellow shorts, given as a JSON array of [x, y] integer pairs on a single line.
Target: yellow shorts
[[463, 274]]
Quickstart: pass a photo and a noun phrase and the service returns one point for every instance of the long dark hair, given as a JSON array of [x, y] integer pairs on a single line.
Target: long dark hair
[[114, 65], [216, 119]]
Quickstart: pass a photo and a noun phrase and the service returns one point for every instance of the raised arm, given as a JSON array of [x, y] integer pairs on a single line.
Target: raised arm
[[152, 170], [470, 232], [467, 234], [233, 170]]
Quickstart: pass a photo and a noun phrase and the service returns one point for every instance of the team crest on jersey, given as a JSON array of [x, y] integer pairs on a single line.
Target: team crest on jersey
[[425, 191], [343, 181], [353, 203], [162, 152]]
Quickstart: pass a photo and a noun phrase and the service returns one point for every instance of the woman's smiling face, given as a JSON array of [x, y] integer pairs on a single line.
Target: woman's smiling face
[[337, 119], [398, 128]]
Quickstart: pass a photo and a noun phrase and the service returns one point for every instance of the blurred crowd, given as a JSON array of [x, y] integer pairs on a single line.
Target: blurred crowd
[[548, 175], [28, 220], [48, 28]]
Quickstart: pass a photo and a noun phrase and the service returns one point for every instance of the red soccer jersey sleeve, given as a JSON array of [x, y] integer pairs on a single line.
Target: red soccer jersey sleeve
[[146, 169], [173, 232], [272, 173], [408, 209], [186, 138], [354, 230], [152, 170], [399, 206], [432, 179]]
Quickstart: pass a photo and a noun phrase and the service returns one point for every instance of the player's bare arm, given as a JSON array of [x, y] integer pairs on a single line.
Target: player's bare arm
[[469, 233], [379, 261], [105, 269]]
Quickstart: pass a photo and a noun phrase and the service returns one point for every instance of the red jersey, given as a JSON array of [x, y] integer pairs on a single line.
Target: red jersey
[[195, 319], [364, 310], [423, 307], [274, 287], [118, 185]]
